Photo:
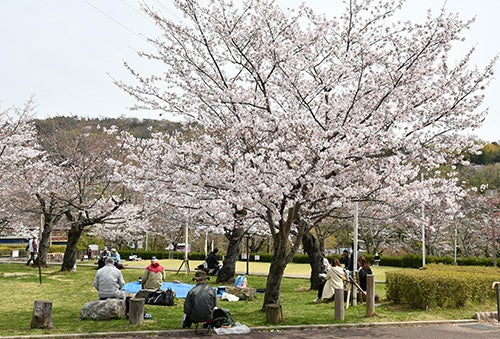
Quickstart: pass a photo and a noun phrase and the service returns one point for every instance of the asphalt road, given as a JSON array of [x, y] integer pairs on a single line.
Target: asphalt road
[[444, 331]]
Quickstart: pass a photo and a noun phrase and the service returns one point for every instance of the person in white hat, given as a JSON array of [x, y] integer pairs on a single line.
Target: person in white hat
[[153, 276]]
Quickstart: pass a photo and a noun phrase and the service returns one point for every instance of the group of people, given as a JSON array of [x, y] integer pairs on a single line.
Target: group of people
[[334, 276], [101, 260], [199, 304]]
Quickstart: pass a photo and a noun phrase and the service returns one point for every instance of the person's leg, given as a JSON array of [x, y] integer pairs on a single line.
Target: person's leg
[[320, 289], [186, 321]]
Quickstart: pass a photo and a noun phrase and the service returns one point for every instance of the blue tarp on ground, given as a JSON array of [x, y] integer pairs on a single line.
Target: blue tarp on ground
[[180, 289]]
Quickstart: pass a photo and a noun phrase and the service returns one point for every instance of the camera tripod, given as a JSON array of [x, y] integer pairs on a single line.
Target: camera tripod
[[351, 283]]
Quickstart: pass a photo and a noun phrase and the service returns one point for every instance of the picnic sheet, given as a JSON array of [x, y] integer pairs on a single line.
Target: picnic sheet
[[180, 289]]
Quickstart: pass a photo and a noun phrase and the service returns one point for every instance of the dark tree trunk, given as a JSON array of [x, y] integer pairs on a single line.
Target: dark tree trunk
[[71, 254], [284, 250], [311, 247], [44, 243], [51, 216], [227, 272], [273, 283]]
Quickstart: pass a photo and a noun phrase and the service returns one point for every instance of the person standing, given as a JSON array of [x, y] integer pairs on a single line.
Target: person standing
[[200, 302], [89, 253], [325, 266], [32, 248], [109, 281], [153, 275], [344, 259], [364, 270]]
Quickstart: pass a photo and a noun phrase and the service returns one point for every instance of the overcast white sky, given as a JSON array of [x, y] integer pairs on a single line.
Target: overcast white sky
[[63, 51]]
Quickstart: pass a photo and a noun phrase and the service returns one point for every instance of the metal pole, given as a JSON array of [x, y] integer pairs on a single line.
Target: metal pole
[[42, 221], [497, 291], [248, 254], [206, 243], [186, 257], [423, 226], [493, 237], [456, 236], [355, 255]]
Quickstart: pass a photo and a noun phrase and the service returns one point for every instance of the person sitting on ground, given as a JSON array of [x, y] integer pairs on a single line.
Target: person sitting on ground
[[364, 270], [212, 262], [335, 278], [153, 276], [116, 258], [102, 257], [200, 302], [109, 281]]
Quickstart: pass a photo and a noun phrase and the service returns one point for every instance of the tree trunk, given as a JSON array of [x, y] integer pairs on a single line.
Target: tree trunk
[[136, 311], [71, 254], [273, 283], [42, 314], [227, 272], [44, 242], [311, 247], [51, 216]]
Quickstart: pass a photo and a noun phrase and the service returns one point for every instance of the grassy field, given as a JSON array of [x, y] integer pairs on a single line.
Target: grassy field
[[20, 287]]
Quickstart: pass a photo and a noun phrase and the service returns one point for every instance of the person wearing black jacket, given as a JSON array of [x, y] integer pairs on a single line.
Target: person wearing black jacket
[[200, 302], [212, 262]]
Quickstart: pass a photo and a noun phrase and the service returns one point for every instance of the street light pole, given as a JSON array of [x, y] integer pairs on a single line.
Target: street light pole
[[423, 225], [355, 254], [456, 236], [492, 194]]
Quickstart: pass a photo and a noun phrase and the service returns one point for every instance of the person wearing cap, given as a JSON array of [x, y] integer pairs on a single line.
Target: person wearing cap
[[116, 257], [200, 302], [109, 281], [153, 275]]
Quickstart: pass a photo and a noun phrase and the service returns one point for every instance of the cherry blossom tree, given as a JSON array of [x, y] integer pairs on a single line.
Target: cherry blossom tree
[[298, 108], [80, 191], [20, 154]]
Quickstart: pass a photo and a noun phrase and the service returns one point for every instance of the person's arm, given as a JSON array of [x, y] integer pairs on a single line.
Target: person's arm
[[96, 282], [121, 281], [187, 303], [144, 278]]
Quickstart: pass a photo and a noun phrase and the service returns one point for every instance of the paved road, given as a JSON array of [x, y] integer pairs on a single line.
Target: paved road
[[459, 330], [453, 330]]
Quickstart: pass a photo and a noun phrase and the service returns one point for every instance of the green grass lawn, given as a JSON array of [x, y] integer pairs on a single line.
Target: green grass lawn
[[20, 287]]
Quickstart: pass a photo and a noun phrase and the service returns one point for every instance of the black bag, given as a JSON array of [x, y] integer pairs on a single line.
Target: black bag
[[160, 297]]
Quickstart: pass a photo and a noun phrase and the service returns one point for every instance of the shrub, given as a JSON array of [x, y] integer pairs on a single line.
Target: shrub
[[440, 285]]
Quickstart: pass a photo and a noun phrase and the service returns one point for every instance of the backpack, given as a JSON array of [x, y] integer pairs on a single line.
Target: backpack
[[241, 281], [160, 297], [222, 318]]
